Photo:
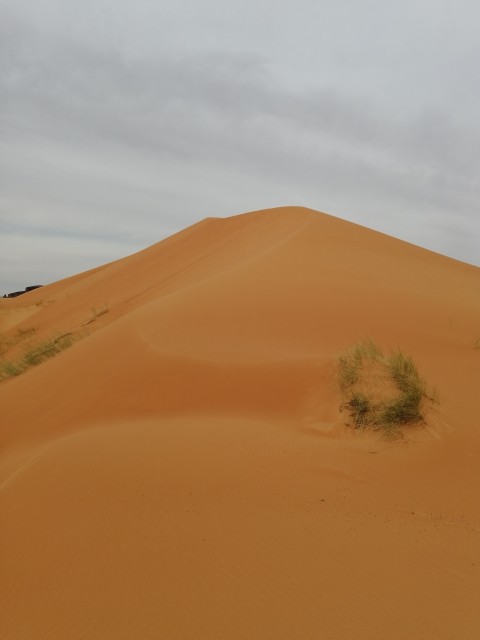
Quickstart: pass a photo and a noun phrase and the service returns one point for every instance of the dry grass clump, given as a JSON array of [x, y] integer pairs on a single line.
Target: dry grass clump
[[382, 392], [35, 355]]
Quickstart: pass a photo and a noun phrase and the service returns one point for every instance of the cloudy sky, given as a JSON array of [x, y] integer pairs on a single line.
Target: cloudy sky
[[123, 121]]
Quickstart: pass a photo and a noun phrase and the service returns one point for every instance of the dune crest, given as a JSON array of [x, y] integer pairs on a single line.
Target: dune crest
[[184, 469]]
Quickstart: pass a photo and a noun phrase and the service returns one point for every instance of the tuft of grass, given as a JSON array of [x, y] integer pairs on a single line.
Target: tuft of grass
[[361, 408], [348, 372], [35, 355], [369, 408], [351, 362], [404, 372], [403, 410]]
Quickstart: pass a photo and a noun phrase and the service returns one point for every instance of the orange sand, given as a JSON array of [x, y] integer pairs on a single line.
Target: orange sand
[[184, 471]]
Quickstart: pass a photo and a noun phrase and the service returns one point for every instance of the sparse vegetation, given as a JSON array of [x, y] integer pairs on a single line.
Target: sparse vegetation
[[351, 362], [96, 313], [35, 355], [21, 334], [361, 408], [382, 392], [9, 369]]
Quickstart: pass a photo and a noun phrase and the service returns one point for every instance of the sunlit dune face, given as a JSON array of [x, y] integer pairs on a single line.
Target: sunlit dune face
[[179, 458]]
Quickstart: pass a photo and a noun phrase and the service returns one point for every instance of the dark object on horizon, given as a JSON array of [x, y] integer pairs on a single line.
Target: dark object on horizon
[[14, 294]]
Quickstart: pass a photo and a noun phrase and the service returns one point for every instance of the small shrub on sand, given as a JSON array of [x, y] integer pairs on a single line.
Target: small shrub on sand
[[382, 392]]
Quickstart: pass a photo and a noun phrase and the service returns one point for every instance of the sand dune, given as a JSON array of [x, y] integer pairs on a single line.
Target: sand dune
[[184, 469]]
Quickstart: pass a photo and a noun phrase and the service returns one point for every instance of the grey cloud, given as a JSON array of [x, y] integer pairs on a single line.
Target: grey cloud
[[25, 257], [96, 142]]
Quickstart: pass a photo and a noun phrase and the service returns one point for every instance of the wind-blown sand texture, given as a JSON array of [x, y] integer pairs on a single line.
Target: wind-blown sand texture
[[184, 470]]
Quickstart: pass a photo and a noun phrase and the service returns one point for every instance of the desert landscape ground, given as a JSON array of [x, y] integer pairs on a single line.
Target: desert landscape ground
[[184, 467]]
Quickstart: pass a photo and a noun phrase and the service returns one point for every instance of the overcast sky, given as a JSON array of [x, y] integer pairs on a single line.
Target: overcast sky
[[123, 121]]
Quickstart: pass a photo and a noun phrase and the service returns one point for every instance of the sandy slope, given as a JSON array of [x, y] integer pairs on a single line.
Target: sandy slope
[[183, 471]]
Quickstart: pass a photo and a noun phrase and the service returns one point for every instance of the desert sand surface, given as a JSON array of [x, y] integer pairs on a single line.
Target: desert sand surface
[[184, 469]]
